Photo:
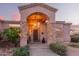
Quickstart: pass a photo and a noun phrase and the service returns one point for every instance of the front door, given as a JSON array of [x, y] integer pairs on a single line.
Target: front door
[[35, 35]]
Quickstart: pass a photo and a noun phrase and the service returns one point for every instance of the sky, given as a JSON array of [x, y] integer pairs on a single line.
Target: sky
[[68, 12]]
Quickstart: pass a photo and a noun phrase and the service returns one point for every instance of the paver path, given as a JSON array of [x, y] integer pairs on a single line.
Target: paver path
[[41, 50]]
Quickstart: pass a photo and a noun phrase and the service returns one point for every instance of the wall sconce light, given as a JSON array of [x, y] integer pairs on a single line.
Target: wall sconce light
[[46, 21]]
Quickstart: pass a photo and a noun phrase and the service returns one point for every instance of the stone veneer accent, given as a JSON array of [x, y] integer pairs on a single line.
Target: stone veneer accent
[[51, 26], [25, 12]]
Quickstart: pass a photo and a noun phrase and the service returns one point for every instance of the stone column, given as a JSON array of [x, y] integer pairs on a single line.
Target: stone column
[[59, 32], [23, 39], [51, 33], [67, 29]]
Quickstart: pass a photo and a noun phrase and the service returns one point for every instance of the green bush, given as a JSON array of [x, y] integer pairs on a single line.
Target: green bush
[[1, 36], [75, 45], [22, 51], [17, 29], [11, 35], [75, 39], [58, 48]]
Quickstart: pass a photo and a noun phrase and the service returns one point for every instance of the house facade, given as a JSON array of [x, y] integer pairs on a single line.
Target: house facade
[[38, 24]]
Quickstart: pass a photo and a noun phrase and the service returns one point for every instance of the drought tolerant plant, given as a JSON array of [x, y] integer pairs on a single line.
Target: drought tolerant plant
[[21, 51], [1, 35], [75, 38], [58, 48], [17, 29], [11, 35]]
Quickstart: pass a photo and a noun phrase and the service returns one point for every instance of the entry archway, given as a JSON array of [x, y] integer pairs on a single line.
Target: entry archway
[[36, 26]]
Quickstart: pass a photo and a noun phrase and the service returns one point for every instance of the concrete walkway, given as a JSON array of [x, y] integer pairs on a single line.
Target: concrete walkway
[[41, 50]]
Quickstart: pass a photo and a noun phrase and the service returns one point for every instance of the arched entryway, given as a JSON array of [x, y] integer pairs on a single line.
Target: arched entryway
[[36, 23]]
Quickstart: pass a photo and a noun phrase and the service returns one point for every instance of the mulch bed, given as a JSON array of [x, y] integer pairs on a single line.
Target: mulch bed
[[7, 44], [6, 48]]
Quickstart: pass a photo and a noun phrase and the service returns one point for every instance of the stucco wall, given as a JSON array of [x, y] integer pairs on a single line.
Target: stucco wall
[[3, 26]]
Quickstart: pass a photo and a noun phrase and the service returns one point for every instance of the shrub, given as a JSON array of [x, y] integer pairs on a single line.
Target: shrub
[[75, 39], [75, 45], [1, 35], [11, 35], [58, 48], [17, 29], [22, 51]]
